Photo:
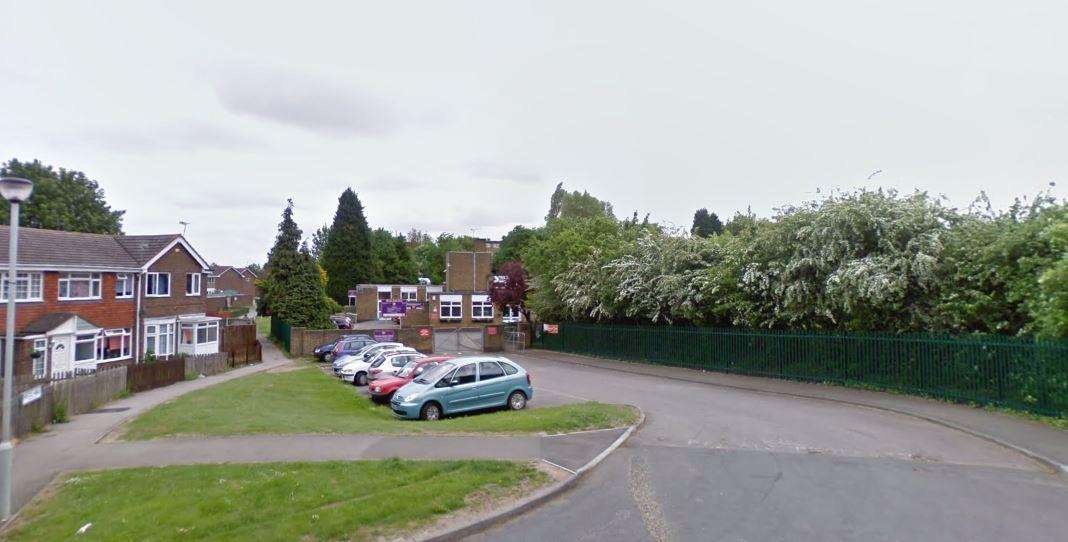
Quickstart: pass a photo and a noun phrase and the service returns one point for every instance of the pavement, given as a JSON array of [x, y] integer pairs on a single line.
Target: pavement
[[735, 458]]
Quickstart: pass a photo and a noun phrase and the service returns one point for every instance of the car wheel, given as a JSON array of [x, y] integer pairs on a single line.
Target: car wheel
[[431, 412], [517, 401], [360, 379]]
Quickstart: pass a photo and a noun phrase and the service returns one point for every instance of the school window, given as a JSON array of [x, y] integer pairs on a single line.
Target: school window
[[85, 347], [27, 287], [192, 284], [40, 361], [481, 308], [409, 294], [158, 284], [451, 307], [115, 343], [123, 285], [159, 339]]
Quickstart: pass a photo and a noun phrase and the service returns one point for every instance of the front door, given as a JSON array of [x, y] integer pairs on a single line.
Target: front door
[[61, 345]]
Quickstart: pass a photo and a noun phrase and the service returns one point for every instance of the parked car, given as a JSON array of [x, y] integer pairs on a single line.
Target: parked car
[[383, 388], [349, 345], [323, 352], [390, 364], [342, 358], [356, 370], [462, 385]]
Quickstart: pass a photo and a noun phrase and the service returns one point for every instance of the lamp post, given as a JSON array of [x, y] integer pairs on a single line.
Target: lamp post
[[16, 191]]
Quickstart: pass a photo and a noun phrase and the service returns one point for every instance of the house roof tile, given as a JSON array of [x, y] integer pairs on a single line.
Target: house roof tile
[[67, 249]]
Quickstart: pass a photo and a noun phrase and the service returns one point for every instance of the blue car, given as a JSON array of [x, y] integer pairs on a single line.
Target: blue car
[[463, 385]]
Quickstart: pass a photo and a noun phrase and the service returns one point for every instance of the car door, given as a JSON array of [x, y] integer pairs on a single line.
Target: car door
[[399, 362], [463, 393], [492, 384]]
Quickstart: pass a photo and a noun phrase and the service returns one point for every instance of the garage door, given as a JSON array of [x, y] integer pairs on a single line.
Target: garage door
[[457, 340]]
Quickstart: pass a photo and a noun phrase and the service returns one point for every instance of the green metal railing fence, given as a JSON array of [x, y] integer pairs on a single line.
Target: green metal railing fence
[[281, 331], [1014, 372]]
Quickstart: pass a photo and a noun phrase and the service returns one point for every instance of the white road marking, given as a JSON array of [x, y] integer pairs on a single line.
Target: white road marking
[[537, 389], [561, 467]]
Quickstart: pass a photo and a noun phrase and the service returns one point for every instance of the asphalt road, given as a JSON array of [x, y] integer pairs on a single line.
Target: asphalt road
[[713, 463]]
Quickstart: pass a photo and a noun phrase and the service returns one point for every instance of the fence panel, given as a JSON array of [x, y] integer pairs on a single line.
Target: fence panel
[[281, 331], [81, 394], [147, 376], [1016, 372]]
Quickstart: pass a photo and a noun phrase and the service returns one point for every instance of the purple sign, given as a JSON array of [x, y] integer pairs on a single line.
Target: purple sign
[[392, 309], [384, 335]]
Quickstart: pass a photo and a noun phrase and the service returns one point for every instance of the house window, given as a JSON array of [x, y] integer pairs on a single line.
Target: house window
[[123, 285], [158, 284], [192, 284], [211, 283], [27, 287], [409, 294], [116, 344], [40, 351], [85, 347], [159, 339], [200, 333], [481, 308], [74, 286], [451, 307]]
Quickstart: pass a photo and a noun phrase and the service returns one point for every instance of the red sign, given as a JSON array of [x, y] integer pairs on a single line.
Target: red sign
[[552, 329], [424, 332], [491, 330]]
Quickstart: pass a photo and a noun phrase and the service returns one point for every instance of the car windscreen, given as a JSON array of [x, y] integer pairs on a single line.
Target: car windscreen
[[434, 374]]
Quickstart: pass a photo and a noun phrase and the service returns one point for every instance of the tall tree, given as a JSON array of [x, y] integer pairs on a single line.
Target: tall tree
[[305, 303], [513, 245], [393, 258], [564, 204], [347, 256], [62, 200], [318, 241], [706, 224], [283, 261]]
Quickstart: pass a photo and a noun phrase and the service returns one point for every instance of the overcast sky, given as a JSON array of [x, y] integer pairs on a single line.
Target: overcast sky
[[462, 116]]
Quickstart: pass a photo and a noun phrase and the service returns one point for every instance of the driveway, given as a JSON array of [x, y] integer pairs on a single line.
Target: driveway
[[716, 463]]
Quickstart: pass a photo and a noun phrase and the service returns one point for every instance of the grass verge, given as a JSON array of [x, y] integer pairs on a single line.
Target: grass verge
[[269, 501], [307, 401]]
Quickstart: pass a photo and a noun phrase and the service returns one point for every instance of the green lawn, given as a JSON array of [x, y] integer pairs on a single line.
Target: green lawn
[[307, 401], [263, 325], [269, 501]]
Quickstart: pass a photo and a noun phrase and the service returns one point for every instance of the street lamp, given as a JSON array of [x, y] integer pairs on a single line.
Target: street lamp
[[16, 191]]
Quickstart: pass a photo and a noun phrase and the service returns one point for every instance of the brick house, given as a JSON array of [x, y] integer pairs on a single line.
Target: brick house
[[82, 298], [173, 300], [239, 279]]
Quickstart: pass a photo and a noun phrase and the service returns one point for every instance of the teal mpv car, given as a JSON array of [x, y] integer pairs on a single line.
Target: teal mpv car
[[463, 385]]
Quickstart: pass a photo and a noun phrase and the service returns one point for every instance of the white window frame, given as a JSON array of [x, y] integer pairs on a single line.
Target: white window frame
[[455, 306], [510, 315], [156, 334], [66, 280], [127, 282], [126, 343], [82, 338], [40, 363], [408, 293], [481, 308], [152, 279], [33, 291], [192, 279]]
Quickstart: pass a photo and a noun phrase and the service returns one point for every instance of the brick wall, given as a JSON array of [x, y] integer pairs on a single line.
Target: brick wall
[[434, 310], [177, 262], [232, 280], [468, 271]]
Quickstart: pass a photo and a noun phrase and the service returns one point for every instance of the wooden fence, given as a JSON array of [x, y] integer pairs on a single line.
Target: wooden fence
[[77, 394], [156, 374], [211, 364]]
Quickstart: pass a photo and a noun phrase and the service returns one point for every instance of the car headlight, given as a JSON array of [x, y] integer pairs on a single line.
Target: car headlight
[[376, 389], [411, 398]]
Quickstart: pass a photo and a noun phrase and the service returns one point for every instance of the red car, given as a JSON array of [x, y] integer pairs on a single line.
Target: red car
[[382, 390]]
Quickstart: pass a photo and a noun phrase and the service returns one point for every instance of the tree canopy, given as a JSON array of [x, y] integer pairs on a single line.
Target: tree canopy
[[283, 261], [564, 204], [706, 224], [513, 244], [346, 255], [62, 199]]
